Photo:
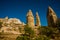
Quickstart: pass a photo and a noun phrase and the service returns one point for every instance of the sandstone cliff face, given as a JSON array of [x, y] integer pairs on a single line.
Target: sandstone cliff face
[[52, 17], [11, 25], [37, 20], [30, 19]]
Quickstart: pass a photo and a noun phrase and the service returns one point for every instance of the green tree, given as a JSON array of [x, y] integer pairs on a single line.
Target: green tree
[[28, 35], [29, 31], [22, 38], [42, 37], [58, 24], [1, 24]]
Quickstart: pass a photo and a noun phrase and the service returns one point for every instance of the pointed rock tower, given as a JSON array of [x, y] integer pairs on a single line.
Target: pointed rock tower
[[51, 17], [37, 20], [30, 19]]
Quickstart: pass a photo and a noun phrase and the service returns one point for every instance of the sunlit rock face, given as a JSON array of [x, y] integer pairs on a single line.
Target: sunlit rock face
[[10, 30], [30, 19], [11, 25], [14, 20], [51, 17], [9, 20], [37, 20]]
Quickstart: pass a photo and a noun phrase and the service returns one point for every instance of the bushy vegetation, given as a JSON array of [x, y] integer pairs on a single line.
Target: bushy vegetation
[[45, 33], [28, 35]]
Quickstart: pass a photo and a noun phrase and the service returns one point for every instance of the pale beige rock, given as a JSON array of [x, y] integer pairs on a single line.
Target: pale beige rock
[[37, 20], [30, 19]]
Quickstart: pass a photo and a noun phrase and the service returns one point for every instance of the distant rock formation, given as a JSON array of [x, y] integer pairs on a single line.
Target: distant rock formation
[[30, 19], [11, 25], [37, 20], [51, 17], [11, 20], [14, 20]]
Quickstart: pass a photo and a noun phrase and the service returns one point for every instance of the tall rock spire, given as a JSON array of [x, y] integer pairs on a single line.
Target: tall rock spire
[[29, 13], [51, 16], [37, 20], [30, 18]]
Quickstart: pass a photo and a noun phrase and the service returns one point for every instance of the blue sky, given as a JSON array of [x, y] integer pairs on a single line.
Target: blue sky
[[19, 8]]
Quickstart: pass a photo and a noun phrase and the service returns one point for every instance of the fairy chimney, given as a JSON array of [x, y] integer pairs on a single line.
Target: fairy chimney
[[51, 17], [37, 20], [30, 19]]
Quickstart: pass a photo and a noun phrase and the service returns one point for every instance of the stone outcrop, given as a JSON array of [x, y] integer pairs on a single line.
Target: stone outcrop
[[11, 25], [37, 20], [51, 17], [8, 36], [30, 19]]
